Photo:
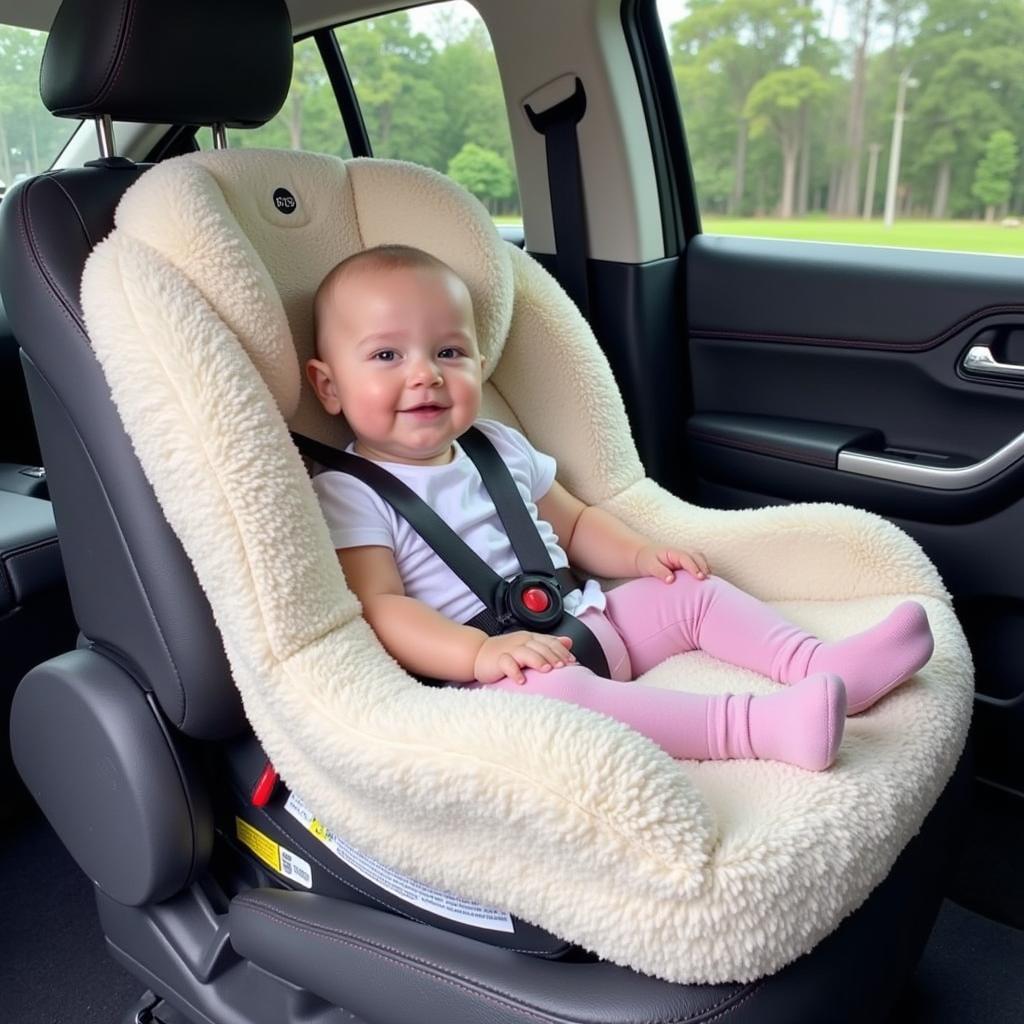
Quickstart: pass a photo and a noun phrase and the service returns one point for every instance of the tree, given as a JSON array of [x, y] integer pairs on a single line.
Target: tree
[[465, 74], [993, 178], [29, 135], [848, 190], [309, 118], [728, 46], [969, 58], [779, 102], [483, 172], [390, 67]]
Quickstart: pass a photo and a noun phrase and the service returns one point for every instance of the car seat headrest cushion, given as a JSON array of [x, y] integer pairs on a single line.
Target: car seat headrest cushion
[[256, 237], [189, 62]]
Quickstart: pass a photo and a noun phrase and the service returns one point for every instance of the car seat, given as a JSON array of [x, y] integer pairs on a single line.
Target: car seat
[[135, 744]]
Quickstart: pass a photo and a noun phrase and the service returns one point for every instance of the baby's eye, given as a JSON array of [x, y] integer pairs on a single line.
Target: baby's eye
[[451, 352], [385, 355]]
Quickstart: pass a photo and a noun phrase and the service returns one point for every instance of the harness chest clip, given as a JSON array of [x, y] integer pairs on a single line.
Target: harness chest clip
[[533, 600]]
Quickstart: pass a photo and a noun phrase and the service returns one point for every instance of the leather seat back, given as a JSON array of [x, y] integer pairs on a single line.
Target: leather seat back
[[135, 595]]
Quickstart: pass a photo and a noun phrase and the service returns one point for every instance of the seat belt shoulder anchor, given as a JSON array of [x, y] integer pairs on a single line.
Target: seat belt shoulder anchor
[[554, 103]]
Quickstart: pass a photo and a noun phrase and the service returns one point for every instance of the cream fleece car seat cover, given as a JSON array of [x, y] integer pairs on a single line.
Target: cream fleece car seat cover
[[199, 308]]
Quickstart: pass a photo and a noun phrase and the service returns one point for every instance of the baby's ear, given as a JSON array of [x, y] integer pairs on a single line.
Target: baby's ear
[[319, 375]]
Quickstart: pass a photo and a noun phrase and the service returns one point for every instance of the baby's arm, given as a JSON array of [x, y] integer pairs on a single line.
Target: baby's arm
[[598, 543], [425, 643]]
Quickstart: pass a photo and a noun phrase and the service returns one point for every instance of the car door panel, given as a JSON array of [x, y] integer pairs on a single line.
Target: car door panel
[[811, 362]]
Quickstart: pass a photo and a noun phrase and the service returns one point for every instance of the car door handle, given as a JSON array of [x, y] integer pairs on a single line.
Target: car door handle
[[980, 362]]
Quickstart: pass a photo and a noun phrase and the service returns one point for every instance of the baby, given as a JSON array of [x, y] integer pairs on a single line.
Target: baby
[[397, 356]]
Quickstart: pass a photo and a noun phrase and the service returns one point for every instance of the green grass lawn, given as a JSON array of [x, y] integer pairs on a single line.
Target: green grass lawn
[[958, 235], [961, 235]]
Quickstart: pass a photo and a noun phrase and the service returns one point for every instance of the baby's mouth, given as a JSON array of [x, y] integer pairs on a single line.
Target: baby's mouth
[[425, 409]]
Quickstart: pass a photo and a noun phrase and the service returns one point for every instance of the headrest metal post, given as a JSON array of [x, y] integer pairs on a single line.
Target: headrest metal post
[[105, 135], [220, 136]]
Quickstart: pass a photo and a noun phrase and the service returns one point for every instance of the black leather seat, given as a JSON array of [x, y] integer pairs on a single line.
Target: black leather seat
[[121, 740]]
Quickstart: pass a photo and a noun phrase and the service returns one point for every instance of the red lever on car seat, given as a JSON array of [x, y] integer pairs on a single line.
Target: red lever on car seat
[[536, 600], [264, 788]]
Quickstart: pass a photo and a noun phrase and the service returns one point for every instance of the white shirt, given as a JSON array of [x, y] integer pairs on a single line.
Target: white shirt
[[358, 517]]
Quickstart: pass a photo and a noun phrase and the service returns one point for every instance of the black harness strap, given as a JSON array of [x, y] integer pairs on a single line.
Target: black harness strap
[[461, 559], [481, 579], [522, 533]]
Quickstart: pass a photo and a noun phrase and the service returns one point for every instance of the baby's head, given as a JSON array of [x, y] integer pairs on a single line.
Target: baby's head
[[397, 354]]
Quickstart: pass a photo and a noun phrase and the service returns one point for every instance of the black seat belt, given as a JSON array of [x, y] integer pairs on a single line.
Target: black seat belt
[[565, 186], [494, 592]]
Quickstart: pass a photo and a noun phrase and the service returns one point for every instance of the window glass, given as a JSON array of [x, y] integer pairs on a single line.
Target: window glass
[[887, 122], [428, 88], [30, 136], [309, 119]]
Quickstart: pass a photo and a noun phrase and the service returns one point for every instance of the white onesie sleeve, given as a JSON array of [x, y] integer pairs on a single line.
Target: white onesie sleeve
[[518, 452], [356, 516]]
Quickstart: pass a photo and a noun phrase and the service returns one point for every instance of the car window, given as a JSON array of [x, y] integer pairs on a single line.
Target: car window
[[428, 88], [309, 119], [894, 123], [30, 136]]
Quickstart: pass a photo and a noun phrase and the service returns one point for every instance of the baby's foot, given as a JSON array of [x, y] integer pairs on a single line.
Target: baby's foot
[[802, 724], [876, 661]]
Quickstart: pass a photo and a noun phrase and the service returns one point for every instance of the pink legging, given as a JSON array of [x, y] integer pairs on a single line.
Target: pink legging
[[647, 621]]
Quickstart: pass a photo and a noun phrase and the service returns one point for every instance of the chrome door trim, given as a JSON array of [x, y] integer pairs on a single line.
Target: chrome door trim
[[943, 478]]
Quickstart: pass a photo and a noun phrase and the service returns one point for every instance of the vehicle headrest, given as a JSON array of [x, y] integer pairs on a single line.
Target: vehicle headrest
[[186, 62]]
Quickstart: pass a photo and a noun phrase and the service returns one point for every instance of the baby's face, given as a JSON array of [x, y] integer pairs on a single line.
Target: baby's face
[[399, 359]]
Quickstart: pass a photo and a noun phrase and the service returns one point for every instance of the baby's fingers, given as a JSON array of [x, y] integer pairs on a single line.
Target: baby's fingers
[[550, 652], [559, 648], [508, 664], [691, 563]]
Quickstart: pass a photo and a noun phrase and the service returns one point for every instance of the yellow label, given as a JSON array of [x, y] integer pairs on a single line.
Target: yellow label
[[318, 829], [262, 845]]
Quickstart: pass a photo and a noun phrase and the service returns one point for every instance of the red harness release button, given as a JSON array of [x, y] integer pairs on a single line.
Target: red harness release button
[[264, 788], [536, 600]]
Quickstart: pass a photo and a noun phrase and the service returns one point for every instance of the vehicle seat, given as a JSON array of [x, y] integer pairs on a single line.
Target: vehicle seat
[[152, 682]]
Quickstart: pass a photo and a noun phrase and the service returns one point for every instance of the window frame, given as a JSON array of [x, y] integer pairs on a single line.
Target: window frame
[[677, 194]]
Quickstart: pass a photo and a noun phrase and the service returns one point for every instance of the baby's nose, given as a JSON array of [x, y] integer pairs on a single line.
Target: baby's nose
[[425, 370]]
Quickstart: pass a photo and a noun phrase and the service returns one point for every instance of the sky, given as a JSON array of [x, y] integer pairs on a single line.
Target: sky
[[670, 11], [833, 11]]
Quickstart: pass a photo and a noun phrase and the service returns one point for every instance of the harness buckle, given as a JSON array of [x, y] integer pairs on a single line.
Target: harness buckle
[[531, 599]]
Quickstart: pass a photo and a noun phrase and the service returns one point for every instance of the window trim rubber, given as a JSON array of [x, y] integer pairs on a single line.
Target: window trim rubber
[[645, 39], [344, 92]]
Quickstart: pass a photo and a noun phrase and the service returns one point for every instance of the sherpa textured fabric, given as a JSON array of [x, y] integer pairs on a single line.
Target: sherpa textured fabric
[[198, 306]]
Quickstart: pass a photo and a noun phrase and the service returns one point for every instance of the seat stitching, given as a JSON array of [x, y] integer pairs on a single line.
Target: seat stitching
[[883, 346], [793, 454], [31, 245], [125, 39], [725, 1011], [74, 206], [103, 78], [447, 976]]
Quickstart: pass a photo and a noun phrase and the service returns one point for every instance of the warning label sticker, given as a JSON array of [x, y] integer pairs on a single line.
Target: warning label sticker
[[444, 904], [283, 861]]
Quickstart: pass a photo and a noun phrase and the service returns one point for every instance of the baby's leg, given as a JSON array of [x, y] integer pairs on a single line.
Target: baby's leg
[[657, 620], [802, 725]]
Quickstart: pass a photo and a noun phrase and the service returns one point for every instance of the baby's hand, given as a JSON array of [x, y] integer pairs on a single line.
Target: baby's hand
[[652, 561], [509, 653]]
